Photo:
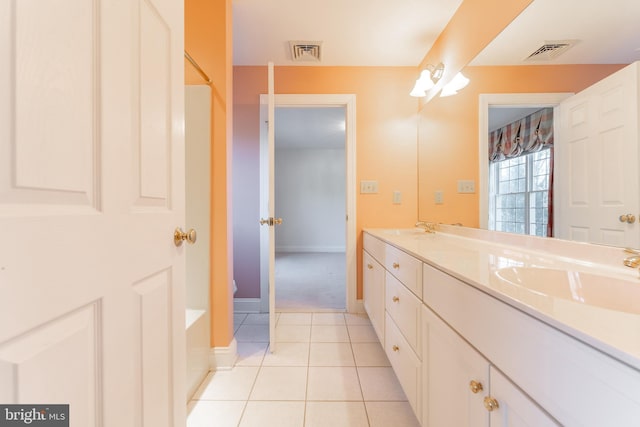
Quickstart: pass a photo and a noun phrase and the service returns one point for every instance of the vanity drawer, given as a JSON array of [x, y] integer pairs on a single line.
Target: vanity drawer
[[405, 268], [405, 363], [404, 308], [374, 246]]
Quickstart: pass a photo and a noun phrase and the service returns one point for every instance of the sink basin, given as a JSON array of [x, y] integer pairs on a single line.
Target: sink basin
[[590, 289]]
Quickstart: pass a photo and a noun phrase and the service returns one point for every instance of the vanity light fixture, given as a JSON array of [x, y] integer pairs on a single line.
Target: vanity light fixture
[[451, 88], [427, 80]]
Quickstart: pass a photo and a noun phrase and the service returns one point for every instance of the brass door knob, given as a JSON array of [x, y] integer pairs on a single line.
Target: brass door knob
[[271, 221], [628, 218], [179, 236], [475, 386], [395, 299], [491, 404]]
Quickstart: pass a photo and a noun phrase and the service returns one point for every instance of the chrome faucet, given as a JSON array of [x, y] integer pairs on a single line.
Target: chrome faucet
[[632, 261], [429, 227]]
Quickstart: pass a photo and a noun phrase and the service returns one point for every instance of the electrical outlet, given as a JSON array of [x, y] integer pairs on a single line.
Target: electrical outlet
[[466, 186], [397, 197], [368, 187], [439, 197]]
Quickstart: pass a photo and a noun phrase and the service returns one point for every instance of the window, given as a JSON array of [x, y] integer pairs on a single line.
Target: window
[[519, 194]]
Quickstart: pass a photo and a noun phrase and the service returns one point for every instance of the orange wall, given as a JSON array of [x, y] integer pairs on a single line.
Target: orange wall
[[386, 125], [208, 40], [448, 131]]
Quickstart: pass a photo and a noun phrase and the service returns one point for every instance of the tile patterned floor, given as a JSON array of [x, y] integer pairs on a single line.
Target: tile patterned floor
[[329, 370]]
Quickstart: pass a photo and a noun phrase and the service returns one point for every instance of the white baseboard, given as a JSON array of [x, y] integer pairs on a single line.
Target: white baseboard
[[306, 249], [246, 305], [223, 358]]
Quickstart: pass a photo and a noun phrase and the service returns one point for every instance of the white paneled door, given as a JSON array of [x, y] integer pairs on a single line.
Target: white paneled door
[[596, 167], [91, 190]]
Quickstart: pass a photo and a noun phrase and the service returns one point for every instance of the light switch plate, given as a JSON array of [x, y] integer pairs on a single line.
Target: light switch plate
[[368, 187], [466, 186], [439, 197]]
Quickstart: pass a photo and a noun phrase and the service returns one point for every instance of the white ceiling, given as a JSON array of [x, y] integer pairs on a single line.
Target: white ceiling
[[353, 32], [608, 33], [310, 127], [401, 32]]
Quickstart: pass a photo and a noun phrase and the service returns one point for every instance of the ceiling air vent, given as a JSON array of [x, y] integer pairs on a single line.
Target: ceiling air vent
[[306, 51], [551, 50]]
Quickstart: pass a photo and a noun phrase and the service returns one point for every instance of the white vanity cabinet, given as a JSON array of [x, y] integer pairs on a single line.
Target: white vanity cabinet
[[461, 388], [455, 377], [560, 376], [373, 277], [391, 299]]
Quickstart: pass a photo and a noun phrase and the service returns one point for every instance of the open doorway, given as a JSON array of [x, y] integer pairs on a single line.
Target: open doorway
[[306, 226], [310, 195]]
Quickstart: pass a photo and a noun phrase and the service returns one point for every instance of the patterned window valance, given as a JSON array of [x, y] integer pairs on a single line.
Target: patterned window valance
[[524, 136]]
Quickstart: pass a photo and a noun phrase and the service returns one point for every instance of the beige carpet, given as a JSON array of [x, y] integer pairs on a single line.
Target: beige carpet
[[310, 281]]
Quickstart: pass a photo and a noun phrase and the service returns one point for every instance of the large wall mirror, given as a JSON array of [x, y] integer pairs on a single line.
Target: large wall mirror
[[577, 43]]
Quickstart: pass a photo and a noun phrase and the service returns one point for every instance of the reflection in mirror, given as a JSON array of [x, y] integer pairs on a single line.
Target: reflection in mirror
[[454, 131]]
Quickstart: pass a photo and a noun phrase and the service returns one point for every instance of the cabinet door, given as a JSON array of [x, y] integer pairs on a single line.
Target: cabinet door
[[514, 409], [373, 290], [451, 368]]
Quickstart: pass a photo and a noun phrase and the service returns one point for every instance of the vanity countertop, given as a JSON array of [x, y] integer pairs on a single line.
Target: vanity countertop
[[607, 319]]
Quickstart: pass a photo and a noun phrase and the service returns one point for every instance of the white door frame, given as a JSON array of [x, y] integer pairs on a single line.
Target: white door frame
[[506, 100], [348, 101]]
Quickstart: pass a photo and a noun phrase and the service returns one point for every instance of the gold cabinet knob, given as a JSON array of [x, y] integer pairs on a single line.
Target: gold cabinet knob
[[395, 348], [628, 218], [491, 404], [370, 266], [395, 299], [179, 236], [475, 386], [396, 265]]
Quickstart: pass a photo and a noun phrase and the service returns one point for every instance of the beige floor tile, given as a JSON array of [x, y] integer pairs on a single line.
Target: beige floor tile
[[335, 383], [252, 333], [293, 333], [256, 319], [280, 383], [251, 353], [273, 414], [235, 384], [288, 354], [238, 318], [357, 319], [337, 414], [205, 413], [331, 354], [329, 333], [380, 384], [328, 319], [369, 354], [385, 414], [362, 333], [294, 319]]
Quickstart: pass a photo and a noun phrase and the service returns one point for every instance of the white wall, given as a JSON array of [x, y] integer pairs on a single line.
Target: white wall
[[198, 190], [310, 198]]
